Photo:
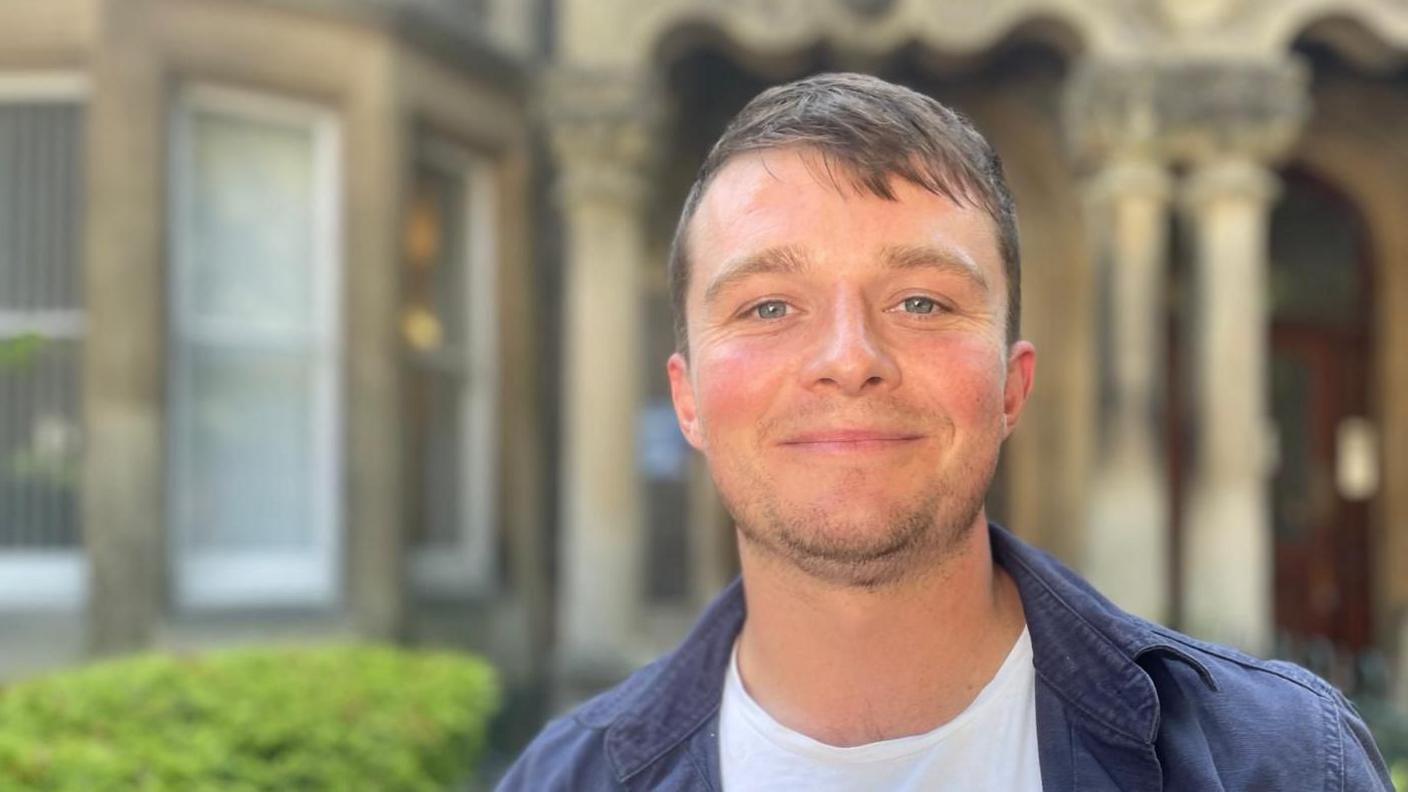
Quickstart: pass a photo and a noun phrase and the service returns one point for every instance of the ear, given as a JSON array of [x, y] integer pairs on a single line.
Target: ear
[[1021, 372], [682, 394]]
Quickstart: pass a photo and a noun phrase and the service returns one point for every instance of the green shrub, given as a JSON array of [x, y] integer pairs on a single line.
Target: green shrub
[[330, 718], [1389, 726], [19, 351]]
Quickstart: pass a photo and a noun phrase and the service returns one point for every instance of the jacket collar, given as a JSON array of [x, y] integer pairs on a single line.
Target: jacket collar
[[1084, 648], [668, 701]]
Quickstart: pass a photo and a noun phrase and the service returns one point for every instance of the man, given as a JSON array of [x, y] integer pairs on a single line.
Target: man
[[846, 286]]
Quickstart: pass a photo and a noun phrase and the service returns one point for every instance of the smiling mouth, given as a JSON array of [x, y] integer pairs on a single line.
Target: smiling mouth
[[842, 442]]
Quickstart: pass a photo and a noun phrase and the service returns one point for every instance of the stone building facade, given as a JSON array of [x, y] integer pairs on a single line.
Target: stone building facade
[[476, 199], [275, 260]]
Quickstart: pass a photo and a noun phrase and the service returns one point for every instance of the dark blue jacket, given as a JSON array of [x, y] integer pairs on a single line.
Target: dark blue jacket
[[1121, 703]]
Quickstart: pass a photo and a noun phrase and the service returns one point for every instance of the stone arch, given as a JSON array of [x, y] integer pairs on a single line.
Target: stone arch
[[642, 33], [1370, 33], [1349, 145], [1355, 42], [787, 55]]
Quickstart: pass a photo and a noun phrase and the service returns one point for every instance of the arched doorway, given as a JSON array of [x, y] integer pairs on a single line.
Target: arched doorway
[[1326, 472]]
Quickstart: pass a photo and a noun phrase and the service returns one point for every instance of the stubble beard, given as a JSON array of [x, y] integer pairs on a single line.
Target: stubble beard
[[912, 539]]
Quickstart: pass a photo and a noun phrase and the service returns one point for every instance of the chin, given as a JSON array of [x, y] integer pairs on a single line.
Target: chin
[[855, 487], [857, 536]]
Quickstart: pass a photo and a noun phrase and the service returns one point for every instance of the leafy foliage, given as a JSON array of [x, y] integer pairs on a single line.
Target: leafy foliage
[[1390, 728], [19, 351], [330, 718]]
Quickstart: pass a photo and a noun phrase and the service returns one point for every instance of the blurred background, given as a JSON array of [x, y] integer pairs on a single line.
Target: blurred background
[[331, 319]]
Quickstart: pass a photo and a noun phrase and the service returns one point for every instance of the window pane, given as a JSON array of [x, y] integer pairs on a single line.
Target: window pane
[[434, 433], [251, 221], [252, 475], [40, 187], [434, 324], [434, 273], [39, 447], [253, 467], [449, 372], [40, 241]]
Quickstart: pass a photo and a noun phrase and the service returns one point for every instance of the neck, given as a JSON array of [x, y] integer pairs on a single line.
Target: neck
[[848, 666]]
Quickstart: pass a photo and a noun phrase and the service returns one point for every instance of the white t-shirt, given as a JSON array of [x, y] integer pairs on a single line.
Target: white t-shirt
[[990, 745]]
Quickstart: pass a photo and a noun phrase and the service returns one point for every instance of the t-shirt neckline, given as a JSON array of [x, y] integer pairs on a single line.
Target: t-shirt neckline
[[1007, 679]]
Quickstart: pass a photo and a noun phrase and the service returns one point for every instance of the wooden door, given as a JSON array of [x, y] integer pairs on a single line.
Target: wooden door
[[1321, 348], [1322, 560]]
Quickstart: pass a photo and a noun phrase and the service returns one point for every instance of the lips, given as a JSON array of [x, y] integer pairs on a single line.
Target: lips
[[850, 440]]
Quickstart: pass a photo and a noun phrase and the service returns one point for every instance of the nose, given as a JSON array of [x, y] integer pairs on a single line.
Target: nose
[[849, 356]]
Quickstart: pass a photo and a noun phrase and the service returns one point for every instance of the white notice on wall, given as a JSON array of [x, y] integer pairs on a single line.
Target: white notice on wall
[[1357, 459]]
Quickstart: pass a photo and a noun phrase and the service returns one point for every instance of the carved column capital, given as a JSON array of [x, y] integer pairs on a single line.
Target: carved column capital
[[1124, 177], [1185, 110], [604, 129], [1193, 17], [1229, 178]]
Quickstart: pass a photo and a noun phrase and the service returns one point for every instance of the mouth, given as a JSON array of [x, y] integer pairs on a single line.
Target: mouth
[[850, 441]]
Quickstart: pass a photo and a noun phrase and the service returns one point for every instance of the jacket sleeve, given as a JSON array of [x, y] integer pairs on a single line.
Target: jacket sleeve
[[566, 755], [1364, 767]]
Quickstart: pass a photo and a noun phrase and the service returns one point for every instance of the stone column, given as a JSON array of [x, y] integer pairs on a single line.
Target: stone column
[[1228, 119], [1116, 121], [1227, 535], [122, 350], [1252, 114], [377, 151], [603, 129], [1127, 547]]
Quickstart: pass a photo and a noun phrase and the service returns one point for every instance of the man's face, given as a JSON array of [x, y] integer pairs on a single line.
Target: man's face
[[847, 379]]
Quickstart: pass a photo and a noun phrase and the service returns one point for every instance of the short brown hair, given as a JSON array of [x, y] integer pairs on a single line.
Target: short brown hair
[[871, 131]]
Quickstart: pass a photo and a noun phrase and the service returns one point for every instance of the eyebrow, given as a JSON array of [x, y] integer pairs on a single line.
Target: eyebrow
[[789, 260], [935, 257], [785, 260]]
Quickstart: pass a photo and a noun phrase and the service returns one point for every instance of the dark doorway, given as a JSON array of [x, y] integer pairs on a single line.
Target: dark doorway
[[1324, 481]]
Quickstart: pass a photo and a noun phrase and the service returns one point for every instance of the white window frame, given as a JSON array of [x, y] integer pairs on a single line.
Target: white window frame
[[44, 579], [469, 567], [223, 579], [59, 87]]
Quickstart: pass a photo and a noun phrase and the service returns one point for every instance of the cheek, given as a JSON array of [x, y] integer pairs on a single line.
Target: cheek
[[737, 385], [964, 375]]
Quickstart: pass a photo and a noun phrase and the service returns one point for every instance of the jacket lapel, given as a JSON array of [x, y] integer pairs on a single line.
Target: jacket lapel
[[1097, 710]]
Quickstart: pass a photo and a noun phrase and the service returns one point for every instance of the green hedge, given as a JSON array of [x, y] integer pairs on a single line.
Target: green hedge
[[1390, 728], [329, 718]]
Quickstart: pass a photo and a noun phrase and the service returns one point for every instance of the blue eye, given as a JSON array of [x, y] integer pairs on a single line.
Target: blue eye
[[920, 305], [772, 309]]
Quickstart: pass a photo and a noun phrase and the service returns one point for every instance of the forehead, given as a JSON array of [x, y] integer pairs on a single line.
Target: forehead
[[793, 198]]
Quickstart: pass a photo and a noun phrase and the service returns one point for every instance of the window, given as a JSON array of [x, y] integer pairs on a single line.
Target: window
[[449, 376], [253, 352], [41, 337]]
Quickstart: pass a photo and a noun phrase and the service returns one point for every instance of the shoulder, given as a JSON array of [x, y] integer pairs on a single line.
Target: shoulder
[[570, 752], [1259, 722], [565, 755], [631, 732], [1215, 715]]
